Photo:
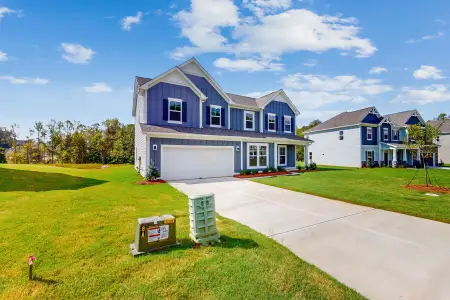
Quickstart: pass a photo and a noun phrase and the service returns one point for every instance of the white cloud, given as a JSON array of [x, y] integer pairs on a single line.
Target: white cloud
[[271, 36], [314, 91], [441, 22], [25, 80], [258, 94], [377, 70], [202, 26], [130, 20], [310, 115], [77, 54], [310, 63], [250, 65], [426, 95], [427, 37], [98, 87], [263, 7], [428, 72], [5, 11], [3, 56]]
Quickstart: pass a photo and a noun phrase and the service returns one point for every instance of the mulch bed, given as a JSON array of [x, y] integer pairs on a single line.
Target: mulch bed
[[430, 188], [261, 175], [145, 182]]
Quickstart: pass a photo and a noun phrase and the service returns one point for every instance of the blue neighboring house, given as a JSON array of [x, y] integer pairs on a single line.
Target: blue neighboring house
[[189, 127], [363, 137]]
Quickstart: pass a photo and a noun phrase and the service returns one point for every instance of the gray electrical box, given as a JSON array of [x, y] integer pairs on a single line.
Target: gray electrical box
[[154, 233], [202, 219]]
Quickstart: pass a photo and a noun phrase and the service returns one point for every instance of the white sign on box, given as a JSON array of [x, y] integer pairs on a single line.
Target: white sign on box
[[158, 233]]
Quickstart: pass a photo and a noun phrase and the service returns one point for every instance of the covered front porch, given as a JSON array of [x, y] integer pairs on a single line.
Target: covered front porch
[[400, 154]]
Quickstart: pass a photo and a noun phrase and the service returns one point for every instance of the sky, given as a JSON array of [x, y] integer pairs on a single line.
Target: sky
[[77, 60]]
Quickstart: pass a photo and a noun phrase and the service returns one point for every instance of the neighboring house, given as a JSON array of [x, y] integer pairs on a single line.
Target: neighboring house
[[190, 128], [363, 137], [443, 140]]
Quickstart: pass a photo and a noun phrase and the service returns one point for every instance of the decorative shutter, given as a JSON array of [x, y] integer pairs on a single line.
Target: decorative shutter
[[208, 115], [276, 123], [165, 110], [266, 122], [222, 117], [184, 108], [293, 128]]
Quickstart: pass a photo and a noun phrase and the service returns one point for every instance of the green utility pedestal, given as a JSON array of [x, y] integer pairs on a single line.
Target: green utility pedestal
[[202, 219], [154, 233]]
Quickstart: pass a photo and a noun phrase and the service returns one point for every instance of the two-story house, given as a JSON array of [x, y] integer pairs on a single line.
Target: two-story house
[[363, 137], [190, 128], [443, 140]]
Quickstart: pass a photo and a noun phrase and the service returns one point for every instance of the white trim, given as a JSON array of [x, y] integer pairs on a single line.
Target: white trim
[[201, 114], [274, 122], [245, 120], [367, 133], [261, 121], [332, 128], [285, 155], [244, 107], [258, 145], [284, 123], [275, 155], [145, 107], [147, 148], [211, 116], [208, 78], [384, 137], [229, 117], [168, 111], [242, 156], [288, 101]]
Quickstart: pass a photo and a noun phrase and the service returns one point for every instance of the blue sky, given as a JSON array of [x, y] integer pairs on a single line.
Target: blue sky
[[77, 60]]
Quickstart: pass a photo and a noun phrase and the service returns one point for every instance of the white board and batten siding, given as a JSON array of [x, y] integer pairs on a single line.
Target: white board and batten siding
[[444, 149], [141, 142], [327, 149]]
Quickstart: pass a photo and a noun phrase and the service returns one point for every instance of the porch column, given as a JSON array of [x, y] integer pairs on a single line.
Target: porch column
[[434, 159], [405, 156], [306, 155], [275, 154], [418, 155], [394, 157]]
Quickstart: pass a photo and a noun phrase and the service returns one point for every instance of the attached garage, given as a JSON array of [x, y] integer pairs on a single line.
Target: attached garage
[[191, 162]]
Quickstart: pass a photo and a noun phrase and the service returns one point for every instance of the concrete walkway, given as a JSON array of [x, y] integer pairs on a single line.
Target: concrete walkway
[[382, 255]]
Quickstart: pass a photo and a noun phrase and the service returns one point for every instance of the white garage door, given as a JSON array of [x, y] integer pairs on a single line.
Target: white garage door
[[189, 162]]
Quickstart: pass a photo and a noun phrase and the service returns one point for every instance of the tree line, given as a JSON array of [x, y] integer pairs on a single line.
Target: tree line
[[110, 142]]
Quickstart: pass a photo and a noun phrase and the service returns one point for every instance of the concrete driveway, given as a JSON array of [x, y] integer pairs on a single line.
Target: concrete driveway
[[382, 255]]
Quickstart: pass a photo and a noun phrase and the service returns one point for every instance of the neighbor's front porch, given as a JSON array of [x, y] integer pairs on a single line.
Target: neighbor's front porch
[[395, 154]]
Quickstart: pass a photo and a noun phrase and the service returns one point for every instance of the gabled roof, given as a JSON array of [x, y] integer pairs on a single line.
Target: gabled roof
[[344, 119], [262, 101], [243, 100], [402, 117], [444, 125]]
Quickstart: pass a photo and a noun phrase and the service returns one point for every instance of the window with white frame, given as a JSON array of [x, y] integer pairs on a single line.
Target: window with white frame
[[341, 135], [385, 134], [369, 157], [395, 134], [215, 115], [287, 124], [282, 155], [175, 110], [271, 122], [249, 120], [369, 133], [257, 155]]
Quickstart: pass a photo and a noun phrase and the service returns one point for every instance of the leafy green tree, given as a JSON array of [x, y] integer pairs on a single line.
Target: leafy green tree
[[300, 132], [442, 117], [2, 156], [14, 140], [5, 136], [39, 127], [54, 129]]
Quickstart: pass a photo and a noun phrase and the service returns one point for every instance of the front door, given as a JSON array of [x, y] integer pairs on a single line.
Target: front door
[[386, 158]]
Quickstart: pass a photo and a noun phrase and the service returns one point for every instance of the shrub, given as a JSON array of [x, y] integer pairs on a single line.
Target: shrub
[[272, 169], [266, 170], [253, 171], [2, 156], [281, 169], [375, 165], [248, 172], [307, 168], [363, 164], [299, 167], [152, 172], [313, 166], [242, 172]]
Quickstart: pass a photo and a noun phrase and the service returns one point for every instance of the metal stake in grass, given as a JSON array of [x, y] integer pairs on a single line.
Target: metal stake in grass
[[31, 259]]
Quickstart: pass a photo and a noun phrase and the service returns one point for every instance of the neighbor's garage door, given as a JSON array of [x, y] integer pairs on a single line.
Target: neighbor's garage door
[[189, 162]]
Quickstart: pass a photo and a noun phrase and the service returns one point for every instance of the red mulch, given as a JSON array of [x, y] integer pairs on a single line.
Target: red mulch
[[145, 182], [430, 188], [261, 175]]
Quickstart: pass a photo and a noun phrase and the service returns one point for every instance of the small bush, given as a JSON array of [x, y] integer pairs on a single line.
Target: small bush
[[254, 172], [299, 167], [363, 164], [152, 172], [248, 172], [242, 172], [306, 168], [281, 169], [272, 169], [375, 165], [266, 170], [313, 166]]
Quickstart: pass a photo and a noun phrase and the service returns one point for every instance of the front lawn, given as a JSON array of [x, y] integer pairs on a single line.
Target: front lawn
[[79, 224], [379, 187]]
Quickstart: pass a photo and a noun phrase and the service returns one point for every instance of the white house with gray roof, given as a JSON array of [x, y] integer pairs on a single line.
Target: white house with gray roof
[[364, 137], [443, 140]]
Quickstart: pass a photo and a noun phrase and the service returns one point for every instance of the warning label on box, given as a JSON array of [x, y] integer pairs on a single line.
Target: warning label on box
[[158, 233]]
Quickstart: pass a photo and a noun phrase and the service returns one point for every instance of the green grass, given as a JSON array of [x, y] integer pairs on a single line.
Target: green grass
[[83, 166], [79, 224], [379, 187]]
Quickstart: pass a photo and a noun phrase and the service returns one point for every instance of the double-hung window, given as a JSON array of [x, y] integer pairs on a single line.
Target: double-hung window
[[271, 119], [175, 110], [257, 155], [385, 134], [341, 135], [369, 157], [369, 133], [282, 154], [249, 120], [395, 134], [287, 124], [215, 115]]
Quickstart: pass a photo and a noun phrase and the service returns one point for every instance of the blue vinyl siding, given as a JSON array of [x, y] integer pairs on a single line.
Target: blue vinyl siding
[[371, 119], [384, 125], [280, 109], [214, 98], [161, 91], [291, 159], [237, 119], [364, 140], [155, 155], [413, 120]]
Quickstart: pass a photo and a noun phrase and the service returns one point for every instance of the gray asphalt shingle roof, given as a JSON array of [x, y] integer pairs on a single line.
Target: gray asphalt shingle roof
[[444, 125], [400, 118], [243, 100], [343, 119], [216, 131]]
